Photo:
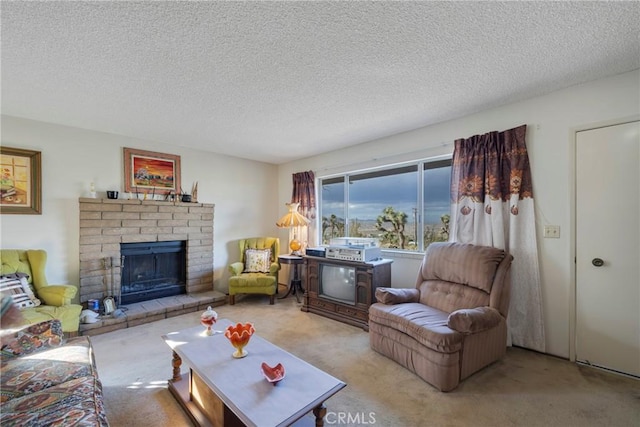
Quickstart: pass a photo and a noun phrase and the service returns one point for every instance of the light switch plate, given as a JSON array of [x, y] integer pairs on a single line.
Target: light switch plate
[[552, 231]]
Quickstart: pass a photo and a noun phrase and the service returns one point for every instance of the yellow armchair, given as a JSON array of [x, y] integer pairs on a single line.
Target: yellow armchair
[[245, 280], [55, 299]]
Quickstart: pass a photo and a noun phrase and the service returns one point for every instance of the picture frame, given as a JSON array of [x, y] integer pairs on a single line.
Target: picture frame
[[20, 181], [150, 172]]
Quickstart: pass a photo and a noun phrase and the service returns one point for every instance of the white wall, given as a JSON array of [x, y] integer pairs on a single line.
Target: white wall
[[551, 120], [243, 192]]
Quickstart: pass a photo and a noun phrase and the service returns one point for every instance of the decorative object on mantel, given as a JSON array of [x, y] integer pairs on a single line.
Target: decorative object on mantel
[[171, 197], [184, 197], [239, 336], [92, 191], [21, 181], [293, 219], [151, 172], [150, 195], [273, 374], [194, 192], [112, 194], [208, 319]]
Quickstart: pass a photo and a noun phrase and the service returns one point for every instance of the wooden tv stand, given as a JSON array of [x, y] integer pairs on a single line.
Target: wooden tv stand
[[369, 276]]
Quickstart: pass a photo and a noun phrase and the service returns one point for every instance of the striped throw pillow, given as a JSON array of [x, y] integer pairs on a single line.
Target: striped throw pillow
[[17, 286]]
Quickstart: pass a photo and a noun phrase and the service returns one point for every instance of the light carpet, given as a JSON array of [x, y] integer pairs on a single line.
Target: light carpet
[[524, 389]]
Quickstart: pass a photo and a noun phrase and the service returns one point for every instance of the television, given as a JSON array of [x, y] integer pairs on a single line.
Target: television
[[337, 283]]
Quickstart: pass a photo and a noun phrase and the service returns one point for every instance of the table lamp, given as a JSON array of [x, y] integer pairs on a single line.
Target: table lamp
[[293, 219]]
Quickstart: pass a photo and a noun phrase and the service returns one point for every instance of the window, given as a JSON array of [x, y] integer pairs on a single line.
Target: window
[[405, 207], [436, 197], [332, 208]]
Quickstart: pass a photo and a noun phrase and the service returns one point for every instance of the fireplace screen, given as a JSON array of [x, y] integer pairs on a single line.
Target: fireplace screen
[[152, 270]]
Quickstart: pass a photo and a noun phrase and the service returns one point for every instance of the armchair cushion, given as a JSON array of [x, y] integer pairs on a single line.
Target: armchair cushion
[[257, 260], [426, 325], [480, 265], [69, 315], [57, 295], [397, 295], [472, 320]]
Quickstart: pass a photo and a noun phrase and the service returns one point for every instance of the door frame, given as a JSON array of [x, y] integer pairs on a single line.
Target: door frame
[[573, 137]]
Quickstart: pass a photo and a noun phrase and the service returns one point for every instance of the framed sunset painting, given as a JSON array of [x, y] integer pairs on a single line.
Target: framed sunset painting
[[148, 172]]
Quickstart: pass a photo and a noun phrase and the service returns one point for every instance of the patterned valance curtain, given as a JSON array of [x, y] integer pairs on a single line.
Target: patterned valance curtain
[[304, 192], [492, 205]]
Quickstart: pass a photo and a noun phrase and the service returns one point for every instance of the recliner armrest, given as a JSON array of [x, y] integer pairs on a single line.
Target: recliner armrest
[[57, 295], [472, 320], [236, 268], [392, 296]]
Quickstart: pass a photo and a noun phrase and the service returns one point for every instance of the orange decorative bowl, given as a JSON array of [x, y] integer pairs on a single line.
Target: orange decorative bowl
[[239, 336], [272, 374]]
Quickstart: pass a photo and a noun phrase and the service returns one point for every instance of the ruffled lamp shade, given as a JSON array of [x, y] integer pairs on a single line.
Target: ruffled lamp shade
[[293, 219]]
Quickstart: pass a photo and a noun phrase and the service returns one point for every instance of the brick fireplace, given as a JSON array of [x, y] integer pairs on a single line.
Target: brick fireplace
[[106, 223]]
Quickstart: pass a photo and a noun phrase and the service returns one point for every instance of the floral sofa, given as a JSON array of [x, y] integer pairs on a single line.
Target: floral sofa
[[47, 380]]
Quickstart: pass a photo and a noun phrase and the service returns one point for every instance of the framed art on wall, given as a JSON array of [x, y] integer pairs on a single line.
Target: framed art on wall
[[148, 172], [21, 181]]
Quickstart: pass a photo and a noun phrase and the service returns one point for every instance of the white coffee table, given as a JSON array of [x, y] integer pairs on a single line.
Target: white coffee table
[[222, 390]]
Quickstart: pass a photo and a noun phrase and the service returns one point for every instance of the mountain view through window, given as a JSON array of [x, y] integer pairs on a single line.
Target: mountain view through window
[[405, 207]]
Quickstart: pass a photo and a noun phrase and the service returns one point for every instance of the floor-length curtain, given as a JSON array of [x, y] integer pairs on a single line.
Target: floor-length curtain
[[492, 205], [304, 192]]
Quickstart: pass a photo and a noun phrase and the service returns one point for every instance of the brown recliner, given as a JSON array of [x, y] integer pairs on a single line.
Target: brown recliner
[[454, 322]]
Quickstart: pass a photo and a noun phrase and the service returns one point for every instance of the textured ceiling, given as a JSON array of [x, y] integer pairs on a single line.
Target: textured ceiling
[[279, 81]]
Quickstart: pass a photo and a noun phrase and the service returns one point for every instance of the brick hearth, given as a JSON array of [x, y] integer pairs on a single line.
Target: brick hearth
[[149, 311]]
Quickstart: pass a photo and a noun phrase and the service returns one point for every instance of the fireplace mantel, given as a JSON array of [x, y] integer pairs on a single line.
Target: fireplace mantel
[[105, 223]]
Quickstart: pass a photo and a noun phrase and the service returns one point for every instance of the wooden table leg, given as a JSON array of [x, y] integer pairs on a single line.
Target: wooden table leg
[[176, 362], [320, 411]]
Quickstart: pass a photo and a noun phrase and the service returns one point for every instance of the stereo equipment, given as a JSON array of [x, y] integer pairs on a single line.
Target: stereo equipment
[[358, 253], [319, 252]]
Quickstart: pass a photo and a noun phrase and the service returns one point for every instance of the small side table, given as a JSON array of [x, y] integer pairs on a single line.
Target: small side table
[[296, 284]]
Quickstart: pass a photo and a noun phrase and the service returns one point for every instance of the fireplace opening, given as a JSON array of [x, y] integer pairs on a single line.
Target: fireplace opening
[[152, 270]]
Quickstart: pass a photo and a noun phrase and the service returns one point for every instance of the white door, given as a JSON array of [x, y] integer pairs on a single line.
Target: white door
[[608, 247]]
